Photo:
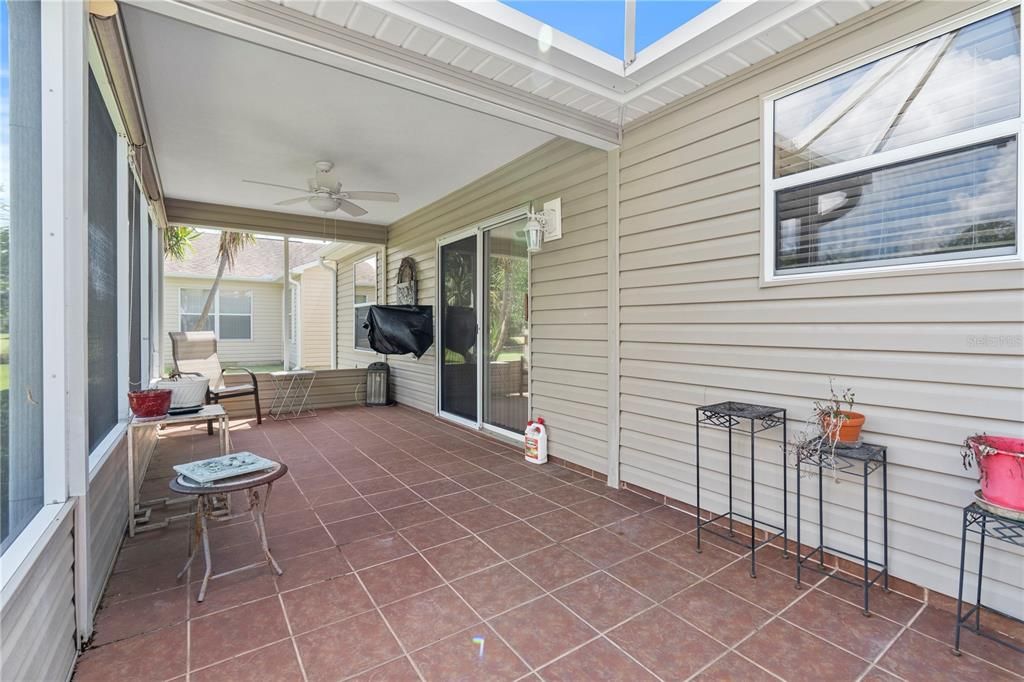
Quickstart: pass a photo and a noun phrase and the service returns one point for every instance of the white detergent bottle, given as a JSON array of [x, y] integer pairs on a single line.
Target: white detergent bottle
[[536, 441]]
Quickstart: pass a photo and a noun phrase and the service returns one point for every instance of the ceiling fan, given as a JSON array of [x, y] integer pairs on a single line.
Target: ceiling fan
[[324, 192]]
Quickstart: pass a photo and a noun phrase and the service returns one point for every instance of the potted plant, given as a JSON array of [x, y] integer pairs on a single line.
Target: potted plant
[[839, 425], [1000, 463]]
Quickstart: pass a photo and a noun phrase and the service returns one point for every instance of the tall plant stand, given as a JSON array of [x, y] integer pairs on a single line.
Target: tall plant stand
[[756, 419], [861, 461], [985, 523]]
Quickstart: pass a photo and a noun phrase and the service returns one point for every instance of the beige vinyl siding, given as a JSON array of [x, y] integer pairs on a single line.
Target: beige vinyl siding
[[697, 328], [265, 346], [38, 615], [315, 301], [348, 355], [569, 290], [331, 388]]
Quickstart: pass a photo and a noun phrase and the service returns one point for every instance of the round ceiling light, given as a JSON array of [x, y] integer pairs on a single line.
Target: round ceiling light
[[322, 202]]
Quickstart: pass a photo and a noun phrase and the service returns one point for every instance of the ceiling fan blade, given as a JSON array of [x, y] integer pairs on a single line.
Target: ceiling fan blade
[[372, 196], [350, 208], [271, 184], [289, 202]]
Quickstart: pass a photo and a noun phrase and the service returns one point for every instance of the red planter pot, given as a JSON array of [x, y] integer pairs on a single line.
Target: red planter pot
[[152, 403], [1001, 462], [846, 430]]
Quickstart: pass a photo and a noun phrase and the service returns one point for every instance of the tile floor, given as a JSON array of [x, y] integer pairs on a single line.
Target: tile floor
[[413, 549]]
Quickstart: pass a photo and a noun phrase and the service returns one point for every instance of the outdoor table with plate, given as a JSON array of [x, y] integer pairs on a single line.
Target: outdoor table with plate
[[291, 392], [137, 470], [220, 476]]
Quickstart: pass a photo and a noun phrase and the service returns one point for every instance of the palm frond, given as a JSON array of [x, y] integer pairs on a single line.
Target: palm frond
[[231, 244], [178, 241]]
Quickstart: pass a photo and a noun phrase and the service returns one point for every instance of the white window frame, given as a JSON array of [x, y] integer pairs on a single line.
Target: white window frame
[[376, 288], [215, 313], [771, 186]]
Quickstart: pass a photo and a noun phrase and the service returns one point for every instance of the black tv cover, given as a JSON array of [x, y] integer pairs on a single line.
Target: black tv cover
[[400, 329]]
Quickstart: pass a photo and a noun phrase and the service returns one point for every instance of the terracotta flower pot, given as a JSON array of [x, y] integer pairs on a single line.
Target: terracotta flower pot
[[844, 430]]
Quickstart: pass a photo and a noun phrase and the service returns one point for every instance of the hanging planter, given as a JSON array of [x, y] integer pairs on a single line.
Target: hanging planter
[[1000, 463]]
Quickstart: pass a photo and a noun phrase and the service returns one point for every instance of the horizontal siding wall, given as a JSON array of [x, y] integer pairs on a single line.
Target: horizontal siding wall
[[348, 356], [315, 301], [331, 388], [38, 616], [264, 348], [697, 328], [569, 288]]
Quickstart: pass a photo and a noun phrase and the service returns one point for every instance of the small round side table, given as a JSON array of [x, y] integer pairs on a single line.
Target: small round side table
[[252, 484]]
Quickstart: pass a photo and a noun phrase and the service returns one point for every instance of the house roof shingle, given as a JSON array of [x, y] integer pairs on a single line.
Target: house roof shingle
[[262, 260]]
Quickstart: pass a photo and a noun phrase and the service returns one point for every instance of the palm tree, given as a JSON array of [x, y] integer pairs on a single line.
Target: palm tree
[[178, 244]]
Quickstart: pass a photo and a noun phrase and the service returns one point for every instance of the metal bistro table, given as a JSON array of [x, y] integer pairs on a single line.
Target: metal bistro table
[[205, 507], [860, 460], [137, 470], [760, 418], [291, 391], [979, 520]]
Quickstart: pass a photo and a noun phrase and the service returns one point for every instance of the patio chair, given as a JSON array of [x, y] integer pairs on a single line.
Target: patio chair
[[196, 353]]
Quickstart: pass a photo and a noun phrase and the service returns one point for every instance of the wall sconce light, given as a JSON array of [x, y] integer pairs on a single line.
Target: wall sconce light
[[544, 226]]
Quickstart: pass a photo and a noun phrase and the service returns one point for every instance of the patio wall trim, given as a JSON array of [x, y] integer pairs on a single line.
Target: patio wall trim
[[613, 318]]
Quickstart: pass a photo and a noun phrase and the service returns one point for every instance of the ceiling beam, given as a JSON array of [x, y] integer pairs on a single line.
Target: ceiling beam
[[201, 214], [294, 32]]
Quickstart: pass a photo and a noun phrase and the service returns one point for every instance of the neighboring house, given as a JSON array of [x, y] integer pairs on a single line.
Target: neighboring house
[[247, 315]]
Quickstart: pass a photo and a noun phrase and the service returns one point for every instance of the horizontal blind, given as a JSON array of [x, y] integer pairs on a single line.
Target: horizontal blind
[[958, 202]]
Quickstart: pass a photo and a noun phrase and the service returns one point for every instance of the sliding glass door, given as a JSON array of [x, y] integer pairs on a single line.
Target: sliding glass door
[[484, 326]]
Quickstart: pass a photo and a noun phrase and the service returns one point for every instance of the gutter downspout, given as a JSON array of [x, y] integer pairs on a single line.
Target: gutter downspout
[[296, 318], [334, 308]]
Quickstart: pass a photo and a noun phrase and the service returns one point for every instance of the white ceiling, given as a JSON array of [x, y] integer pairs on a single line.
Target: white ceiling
[[221, 109]]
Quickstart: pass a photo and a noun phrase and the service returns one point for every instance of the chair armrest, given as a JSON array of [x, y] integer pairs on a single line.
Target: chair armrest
[[176, 373], [252, 375]]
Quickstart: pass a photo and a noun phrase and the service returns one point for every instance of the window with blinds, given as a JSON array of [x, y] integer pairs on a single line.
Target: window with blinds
[[911, 158]]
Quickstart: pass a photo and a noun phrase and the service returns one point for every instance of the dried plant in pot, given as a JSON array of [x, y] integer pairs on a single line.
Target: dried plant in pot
[[838, 420], [1000, 463]]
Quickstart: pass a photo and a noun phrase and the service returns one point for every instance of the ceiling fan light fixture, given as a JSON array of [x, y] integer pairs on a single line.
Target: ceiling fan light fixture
[[322, 202]]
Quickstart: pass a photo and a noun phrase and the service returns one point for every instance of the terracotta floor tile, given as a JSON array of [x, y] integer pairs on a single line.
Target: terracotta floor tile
[[683, 551], [415, 475], [325, 602], [398, 670], [359, 528], [461, 557], [159, 655], [563, 474], [680, 520], [593, 485], [229, 633], [433, 533], [526, 506], [598, 660], [475, 479], [347, 647], [553, 566], [498, 492], [496, 589], [346, 509], [425, 618], [140, 614], [410, 515], [643, 531], [538, 482], [514, 539], [484, 518], [311, 568], [892, 605], [142, 581], [561, 524], [567, 495], [392, 499], [724, 616], [432, 489], [653, 576], [732, 668], [459, 502], [529, 630], [335, 493], [602, 601], [476, 653], [290, 522], [398, 579], [842, 624], [601, 511], [941, 625], [274, 663], [602, 548], [300, 542], [876, 674], [797, 655], [231, 590], [383, 484], [665, 644], [769, 589], [631, 500], [376, 550]]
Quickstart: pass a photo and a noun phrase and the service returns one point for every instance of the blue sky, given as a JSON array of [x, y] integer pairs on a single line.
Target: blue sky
[[601, 23]]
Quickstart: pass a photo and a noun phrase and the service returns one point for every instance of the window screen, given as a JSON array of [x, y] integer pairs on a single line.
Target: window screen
[[190, 307], [235, 315], [103, 388], [365, 295]]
